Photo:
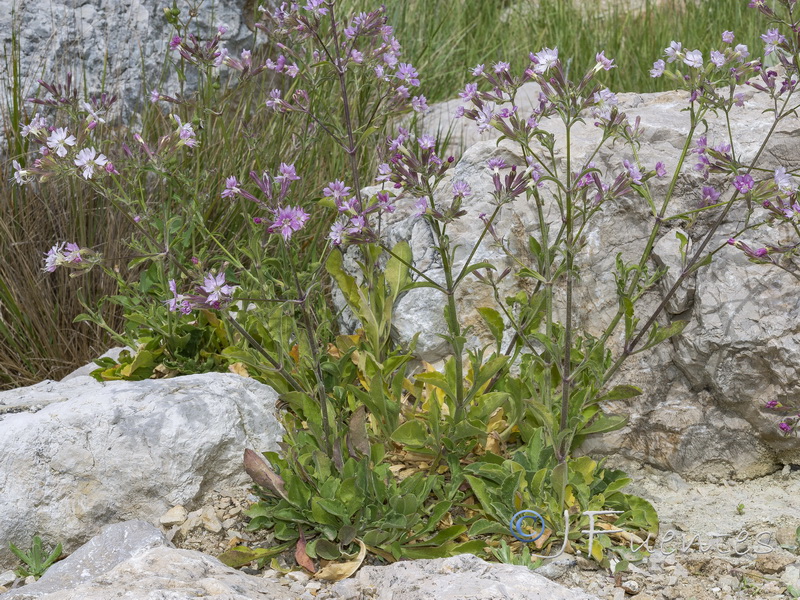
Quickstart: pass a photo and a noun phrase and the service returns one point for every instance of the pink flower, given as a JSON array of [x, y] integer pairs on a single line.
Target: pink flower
[[87, 159], [215, 287], [288, 220]]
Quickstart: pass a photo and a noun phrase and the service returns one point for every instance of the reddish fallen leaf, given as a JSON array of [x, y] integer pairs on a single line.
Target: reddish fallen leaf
[[260, 472], [303, 559]]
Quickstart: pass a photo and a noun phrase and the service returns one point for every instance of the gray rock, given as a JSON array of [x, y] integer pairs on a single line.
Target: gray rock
[[455, 578], [84, 38], [114, 545], [167, 573], [78, 455]]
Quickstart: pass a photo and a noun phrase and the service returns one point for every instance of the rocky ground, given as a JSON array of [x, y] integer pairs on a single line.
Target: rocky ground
[[747, 544], [763, 514]]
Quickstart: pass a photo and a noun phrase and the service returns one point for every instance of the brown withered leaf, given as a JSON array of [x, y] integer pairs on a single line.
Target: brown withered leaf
[[357, 437], [339, 571], [260, 472], [303, 559]]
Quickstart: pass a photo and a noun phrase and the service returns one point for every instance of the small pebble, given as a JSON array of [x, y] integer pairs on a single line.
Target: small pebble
[[297, 576], [270, 574], [228, 523], [7, 577], [631, 586], [174, 516], [619, 594], [3, 589], [313, 586], [210, 521], [30, 579]]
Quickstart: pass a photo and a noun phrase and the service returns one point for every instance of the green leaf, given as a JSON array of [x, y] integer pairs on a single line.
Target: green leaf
[[347, 283], [658, 334], [396, 271], [494, 321], [620, 392], [242, 555], [484, 527], [411, 433], [526, 272], [706, 260], [445, 535], [604, 424]]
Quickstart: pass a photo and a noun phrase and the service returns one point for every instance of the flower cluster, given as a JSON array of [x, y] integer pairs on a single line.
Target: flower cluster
[[285, 219], [366, 42]]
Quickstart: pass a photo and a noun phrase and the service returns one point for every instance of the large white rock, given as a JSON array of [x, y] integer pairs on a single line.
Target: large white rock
[[454, 578], [77, 455]]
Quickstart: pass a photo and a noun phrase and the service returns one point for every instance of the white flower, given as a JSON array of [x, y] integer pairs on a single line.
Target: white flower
[[546, 59], [694, 58], [88, 159], [22, 176], [36, 127], [673, 51], [59, 140], [92, 112]]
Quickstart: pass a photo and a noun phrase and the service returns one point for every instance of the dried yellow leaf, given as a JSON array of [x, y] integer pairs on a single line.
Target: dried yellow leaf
[[339, 571]]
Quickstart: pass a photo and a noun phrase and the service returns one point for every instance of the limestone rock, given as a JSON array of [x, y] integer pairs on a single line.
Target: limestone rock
[[85, 38], [112, 546], [77, 455], [174, 516], [455, 578]]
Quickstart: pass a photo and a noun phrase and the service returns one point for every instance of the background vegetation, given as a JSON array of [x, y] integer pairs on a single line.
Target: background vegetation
[[443, 39]]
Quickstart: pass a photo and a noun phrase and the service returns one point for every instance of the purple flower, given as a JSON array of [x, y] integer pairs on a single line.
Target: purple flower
[[603, 62], [710, 195], [633, 171], [477, 71], [742, 52], [215, 287], [357, 225], [178, 302], [727, 37], [426, 142], [495, 164], [155, 96], [317, 7], [718, 58], [743, 183], [771, 404], [772, 38], [501, 66], [470, 92], [461, 189], [419, 103], [421, 207], [658, 68], [336, 190], [385, 202], [231, 188], [288, 220], [356, 56], [661, 170], [336, 234], [783, 180], [175, 42], [484, 118], [406, 72], [287, 173], [785, 427]]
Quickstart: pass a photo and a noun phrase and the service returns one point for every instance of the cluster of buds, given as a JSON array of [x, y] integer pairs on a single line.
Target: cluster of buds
[[284, 219], [366, 42]]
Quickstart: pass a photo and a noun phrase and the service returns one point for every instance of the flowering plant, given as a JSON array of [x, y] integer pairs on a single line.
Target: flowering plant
[[358, 414]]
